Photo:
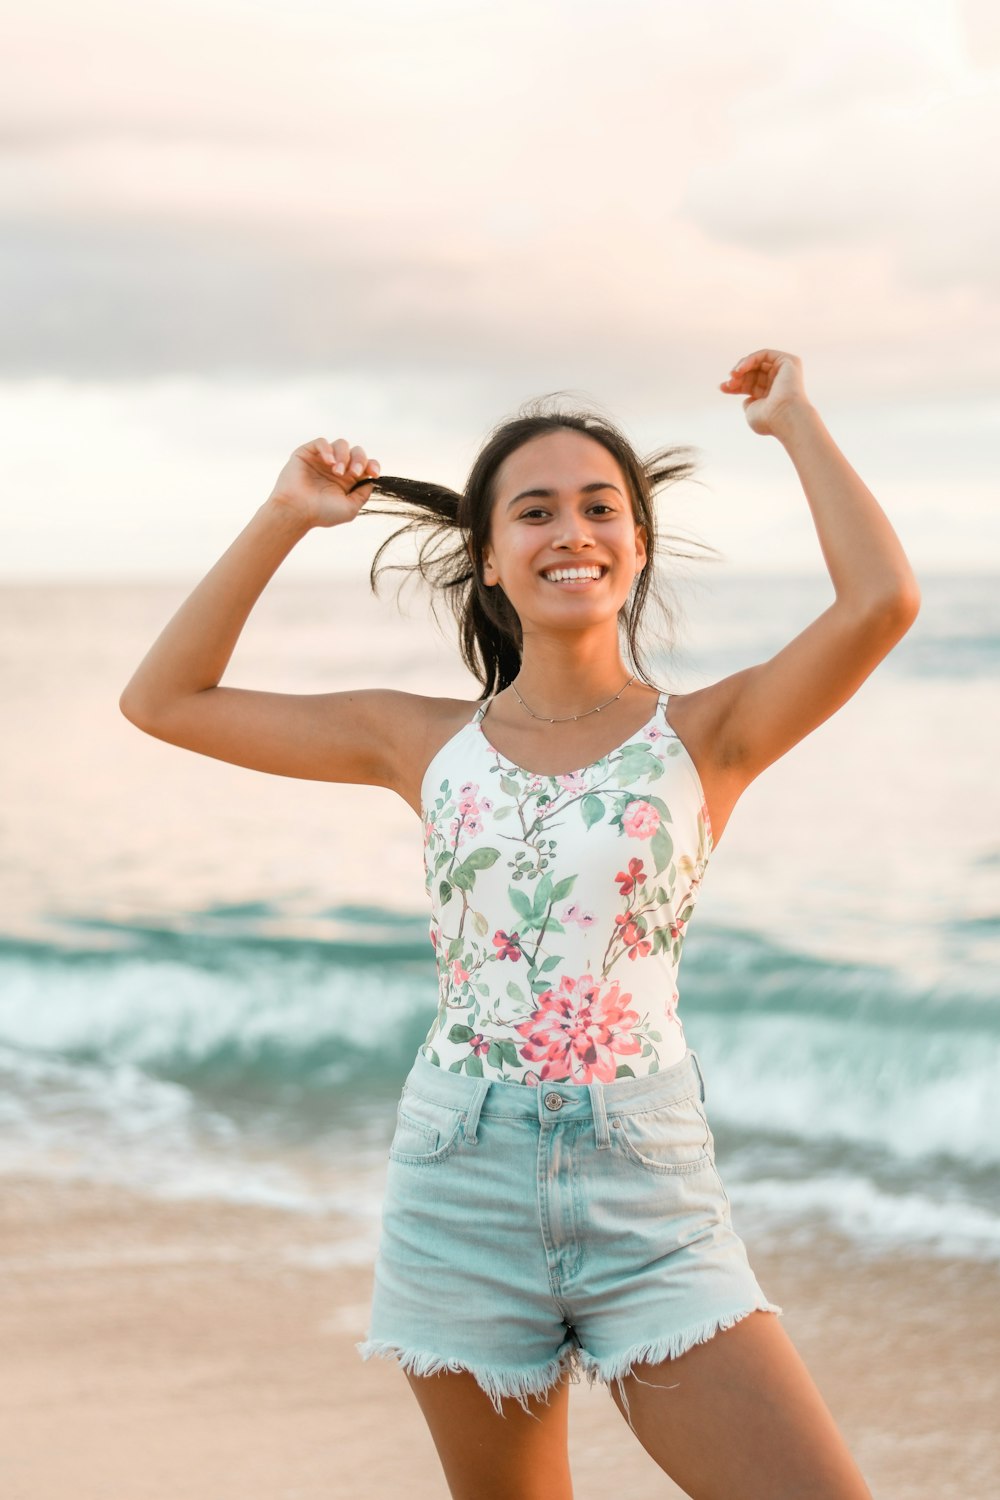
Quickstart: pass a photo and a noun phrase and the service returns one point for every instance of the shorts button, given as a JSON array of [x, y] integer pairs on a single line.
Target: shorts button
[[615, 1124], [554, 1101]]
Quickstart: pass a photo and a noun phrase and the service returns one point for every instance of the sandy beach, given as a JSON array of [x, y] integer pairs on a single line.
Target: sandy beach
[[157, 1350]]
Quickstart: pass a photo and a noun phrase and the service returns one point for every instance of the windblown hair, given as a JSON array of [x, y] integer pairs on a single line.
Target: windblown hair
[[450, 558]]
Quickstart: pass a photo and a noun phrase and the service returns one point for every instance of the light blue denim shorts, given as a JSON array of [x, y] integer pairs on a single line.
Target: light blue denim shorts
[[531, 1233]]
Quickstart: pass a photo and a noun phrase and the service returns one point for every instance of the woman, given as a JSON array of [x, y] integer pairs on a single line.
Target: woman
[[552, 1202]]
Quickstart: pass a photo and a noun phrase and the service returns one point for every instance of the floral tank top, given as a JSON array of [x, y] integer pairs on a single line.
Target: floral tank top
[[559, 906]]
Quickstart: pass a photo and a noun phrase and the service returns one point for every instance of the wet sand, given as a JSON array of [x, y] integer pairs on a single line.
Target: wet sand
[[172, 1351]]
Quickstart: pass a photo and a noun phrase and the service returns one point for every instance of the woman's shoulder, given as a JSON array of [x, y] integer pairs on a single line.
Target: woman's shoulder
[[418, 725]]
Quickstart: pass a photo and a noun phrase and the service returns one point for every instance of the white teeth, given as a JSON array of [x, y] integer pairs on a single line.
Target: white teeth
[[554, 577]]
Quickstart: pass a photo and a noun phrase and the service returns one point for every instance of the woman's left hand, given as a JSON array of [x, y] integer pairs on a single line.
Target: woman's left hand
[[771, 380]]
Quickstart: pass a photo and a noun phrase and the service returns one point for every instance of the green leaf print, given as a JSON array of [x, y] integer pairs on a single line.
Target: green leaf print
[[661, 847], [519, 901], [543, 895], [592, 809], [464, 875], [481, 859], [459, 1033], [563, 887], [509, 785], [480, 923], [509, 1050], [638, 764], [456, 1067], [515, 993], [624, 1071], [444, 891], [454, 949], [474, 1065], [553, 959]]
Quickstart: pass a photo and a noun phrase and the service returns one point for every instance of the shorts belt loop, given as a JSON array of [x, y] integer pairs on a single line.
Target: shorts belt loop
[[472, 1113], [701, 1076], [600, 1115]]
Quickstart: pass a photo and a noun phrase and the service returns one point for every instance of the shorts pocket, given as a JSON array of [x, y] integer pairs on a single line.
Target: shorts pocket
[[426, 1131], [673, 1137]]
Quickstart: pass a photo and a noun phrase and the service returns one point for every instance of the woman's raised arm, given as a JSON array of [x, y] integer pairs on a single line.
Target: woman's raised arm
[[174, 693]]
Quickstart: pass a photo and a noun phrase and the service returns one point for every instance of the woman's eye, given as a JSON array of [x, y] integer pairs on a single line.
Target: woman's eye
[[538, 511]]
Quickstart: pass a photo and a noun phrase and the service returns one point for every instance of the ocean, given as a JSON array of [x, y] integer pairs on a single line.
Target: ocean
[[213, 981]]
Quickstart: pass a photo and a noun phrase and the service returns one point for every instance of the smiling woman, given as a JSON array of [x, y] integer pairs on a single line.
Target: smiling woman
[[553, 1162]]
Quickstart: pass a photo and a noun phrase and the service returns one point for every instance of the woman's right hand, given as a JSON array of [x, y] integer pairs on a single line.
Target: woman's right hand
[[311, 485]]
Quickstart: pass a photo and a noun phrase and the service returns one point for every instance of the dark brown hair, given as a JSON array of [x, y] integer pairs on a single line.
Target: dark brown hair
[[489, 628]]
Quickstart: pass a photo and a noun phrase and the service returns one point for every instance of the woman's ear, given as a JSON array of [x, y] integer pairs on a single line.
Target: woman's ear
[[640, 548]]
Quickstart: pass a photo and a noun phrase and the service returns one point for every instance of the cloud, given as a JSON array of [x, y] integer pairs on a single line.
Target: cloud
[[569, 195]]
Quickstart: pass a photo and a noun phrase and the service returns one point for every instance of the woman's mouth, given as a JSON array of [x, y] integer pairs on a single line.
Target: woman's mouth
[[575, 578]]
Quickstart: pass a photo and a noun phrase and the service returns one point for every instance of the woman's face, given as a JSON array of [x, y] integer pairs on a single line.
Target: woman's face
[[584, 520]]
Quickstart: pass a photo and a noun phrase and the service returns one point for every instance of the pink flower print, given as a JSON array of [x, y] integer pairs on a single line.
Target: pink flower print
[[575, 913], [531, 1078], [507, 944], [637, 945], [468, 789], [465, 826], [535, 784], [479, 1044], [576, 1032], [636, 875], [485, 804], [573, 781], [651, 732], [468, 805], [458, 974], [640, 820]]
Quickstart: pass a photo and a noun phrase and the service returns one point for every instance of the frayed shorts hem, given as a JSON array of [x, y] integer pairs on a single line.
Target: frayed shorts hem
[[519, 1384], [572, 1361], [613, 1368]]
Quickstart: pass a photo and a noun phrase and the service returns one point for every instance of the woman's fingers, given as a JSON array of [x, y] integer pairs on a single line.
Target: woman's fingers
[[343, 459], [757, 368]]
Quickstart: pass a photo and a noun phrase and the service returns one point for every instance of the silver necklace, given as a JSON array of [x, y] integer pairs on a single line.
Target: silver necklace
[[596, 710]]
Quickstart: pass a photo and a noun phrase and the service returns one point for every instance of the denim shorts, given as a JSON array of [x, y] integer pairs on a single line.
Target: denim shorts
[[529, 1233]]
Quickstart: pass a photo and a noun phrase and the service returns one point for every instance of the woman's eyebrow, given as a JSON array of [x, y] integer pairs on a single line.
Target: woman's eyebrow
[[587, 489]]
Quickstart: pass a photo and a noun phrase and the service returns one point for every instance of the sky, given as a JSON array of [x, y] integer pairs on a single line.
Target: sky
[[227, 228]]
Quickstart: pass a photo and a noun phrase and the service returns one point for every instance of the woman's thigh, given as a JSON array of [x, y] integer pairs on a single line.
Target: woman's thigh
[[486, 1456], [741, 1415]]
